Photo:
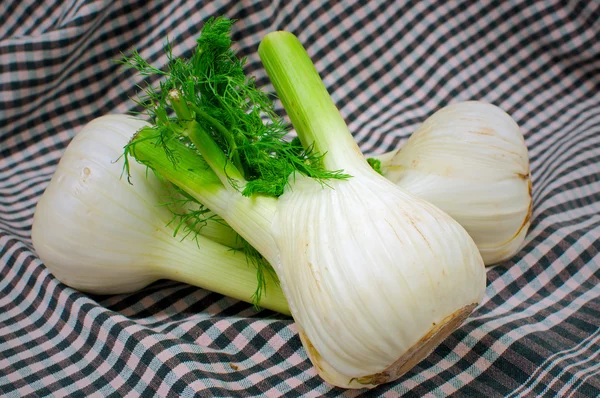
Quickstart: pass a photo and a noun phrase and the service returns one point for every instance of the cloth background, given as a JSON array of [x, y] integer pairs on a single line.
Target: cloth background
[[388, 65]]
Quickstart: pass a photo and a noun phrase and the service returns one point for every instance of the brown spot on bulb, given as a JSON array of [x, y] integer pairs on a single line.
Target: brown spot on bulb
[[484, 131], [86, 173]]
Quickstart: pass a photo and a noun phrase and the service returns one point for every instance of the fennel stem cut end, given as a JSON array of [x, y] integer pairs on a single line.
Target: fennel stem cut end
[[425, 346]]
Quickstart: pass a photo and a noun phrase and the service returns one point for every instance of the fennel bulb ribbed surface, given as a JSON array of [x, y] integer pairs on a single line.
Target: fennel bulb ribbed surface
[[470, 160]]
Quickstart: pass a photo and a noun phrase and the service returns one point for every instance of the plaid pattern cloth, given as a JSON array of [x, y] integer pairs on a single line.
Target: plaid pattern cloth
[[388, 65]]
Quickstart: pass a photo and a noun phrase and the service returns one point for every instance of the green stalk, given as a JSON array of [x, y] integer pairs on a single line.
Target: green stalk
[[312, 112], [179, 105], [224, 271], [207, 147], [184, 167], [221, 233], [214, 156], [228, 135], [251, 217], [189, 217]]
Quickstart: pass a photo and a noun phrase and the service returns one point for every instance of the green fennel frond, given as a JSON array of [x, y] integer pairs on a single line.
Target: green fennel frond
[[217, 95], [375, 164], [253, 257]]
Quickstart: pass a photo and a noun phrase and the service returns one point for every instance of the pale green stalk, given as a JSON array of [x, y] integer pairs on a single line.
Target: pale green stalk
[[313, 114], [251, 217]]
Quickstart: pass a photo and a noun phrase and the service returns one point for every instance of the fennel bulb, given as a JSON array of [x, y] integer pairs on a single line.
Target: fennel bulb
[[97, 233], [470, 160], [375, 277]]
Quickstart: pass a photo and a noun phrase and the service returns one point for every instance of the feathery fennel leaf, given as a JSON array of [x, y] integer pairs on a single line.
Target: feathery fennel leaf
[[214, 92]]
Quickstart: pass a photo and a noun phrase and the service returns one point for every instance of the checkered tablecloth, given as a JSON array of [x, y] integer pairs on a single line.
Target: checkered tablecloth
[[388, 65]]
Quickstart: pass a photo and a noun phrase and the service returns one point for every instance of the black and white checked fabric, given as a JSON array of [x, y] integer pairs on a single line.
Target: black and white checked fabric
[[388, 65]]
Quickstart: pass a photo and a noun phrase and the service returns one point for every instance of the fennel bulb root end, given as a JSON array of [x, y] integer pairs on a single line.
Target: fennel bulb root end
[[421, 350]]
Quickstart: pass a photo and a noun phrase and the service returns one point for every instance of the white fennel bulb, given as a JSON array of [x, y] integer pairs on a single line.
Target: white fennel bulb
[[375, 277], [371, 274], [470, 160], [98, 233]]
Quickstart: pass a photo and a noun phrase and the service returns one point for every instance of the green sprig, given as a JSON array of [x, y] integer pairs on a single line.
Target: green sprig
[[214, 91]]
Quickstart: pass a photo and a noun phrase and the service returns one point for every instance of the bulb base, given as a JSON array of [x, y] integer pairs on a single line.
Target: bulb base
[[435, 336]]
